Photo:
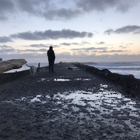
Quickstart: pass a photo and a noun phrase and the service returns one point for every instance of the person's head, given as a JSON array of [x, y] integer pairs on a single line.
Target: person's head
[[51, 47]]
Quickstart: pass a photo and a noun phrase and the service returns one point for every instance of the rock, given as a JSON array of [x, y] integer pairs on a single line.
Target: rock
[[105, 72], [70, 68], [11, 64], [0, 59], [128, 82]]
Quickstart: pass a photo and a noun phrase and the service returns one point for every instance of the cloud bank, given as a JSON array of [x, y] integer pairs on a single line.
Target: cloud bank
[[80, 55], [50, 34], [133, 29], [5, 39], [56, 10]]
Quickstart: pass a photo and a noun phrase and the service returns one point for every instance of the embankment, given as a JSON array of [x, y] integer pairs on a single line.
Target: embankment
[[128, 82]]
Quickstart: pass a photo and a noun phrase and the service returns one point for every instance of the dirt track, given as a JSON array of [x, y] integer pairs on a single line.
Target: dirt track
[[69, 104]]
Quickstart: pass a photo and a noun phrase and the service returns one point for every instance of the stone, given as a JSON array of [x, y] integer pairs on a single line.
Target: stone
[[11, 64], [128, 82]]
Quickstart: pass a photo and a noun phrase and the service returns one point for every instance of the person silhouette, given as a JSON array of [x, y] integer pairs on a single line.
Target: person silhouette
[[51, 59]]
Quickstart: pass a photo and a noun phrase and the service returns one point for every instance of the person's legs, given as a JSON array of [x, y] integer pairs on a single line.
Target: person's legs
[[51, 66]]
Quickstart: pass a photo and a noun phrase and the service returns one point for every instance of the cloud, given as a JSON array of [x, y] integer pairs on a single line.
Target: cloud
[[27, 6], [97, 58], [63, 13], [84, 42], [56, 10], [6, 49], [69, 44], [109, 31], [10, 7], [97, 50], [128, 29], [100, 43], [90, 48], [32, 50], [123, 47], [38, 45], [49, 34], [102, 5], [112, 51], [5, 39], [134, 29], [43, 8], [30, 57], [6, 6], [3, 18], [43, 45], [34, 57]]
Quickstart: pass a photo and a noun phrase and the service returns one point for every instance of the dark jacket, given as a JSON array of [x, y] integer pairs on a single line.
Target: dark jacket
[[51, 55]]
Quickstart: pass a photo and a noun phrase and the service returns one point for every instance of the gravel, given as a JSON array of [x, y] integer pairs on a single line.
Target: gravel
[[70, 104]]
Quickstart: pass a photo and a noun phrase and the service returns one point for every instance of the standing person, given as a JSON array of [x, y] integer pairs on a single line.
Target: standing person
[[51, 59]]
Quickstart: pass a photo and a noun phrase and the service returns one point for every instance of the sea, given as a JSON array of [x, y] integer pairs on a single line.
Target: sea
[[124, 68]]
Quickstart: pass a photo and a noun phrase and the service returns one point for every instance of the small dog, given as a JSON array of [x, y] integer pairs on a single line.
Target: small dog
[[33, 69]]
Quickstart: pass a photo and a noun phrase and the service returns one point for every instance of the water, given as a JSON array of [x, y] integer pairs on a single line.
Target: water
[[124, 68], [102, 109], [24, 67]]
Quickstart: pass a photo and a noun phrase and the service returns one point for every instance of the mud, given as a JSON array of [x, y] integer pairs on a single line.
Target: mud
[[70, 104]]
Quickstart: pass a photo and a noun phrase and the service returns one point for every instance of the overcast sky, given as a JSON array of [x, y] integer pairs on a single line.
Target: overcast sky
[[78, 30]]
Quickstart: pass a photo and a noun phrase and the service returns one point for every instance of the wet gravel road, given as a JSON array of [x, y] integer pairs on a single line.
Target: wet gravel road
[[69, 104]]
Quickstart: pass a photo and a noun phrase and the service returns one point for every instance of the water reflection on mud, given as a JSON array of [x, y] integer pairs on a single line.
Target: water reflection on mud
[[63, 79], [100, 110]]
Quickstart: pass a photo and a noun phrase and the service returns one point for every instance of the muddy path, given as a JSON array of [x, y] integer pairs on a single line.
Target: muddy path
[[70, 104]]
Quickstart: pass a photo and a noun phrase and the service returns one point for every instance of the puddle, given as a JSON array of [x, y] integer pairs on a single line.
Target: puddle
[[36, 99], [63, 80], [41, 80], [103, 86], [77, 79], [101, 100], [82, 79], [104, 107]]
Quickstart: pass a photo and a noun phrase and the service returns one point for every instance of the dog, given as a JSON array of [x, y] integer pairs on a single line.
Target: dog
[[33, 69]]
